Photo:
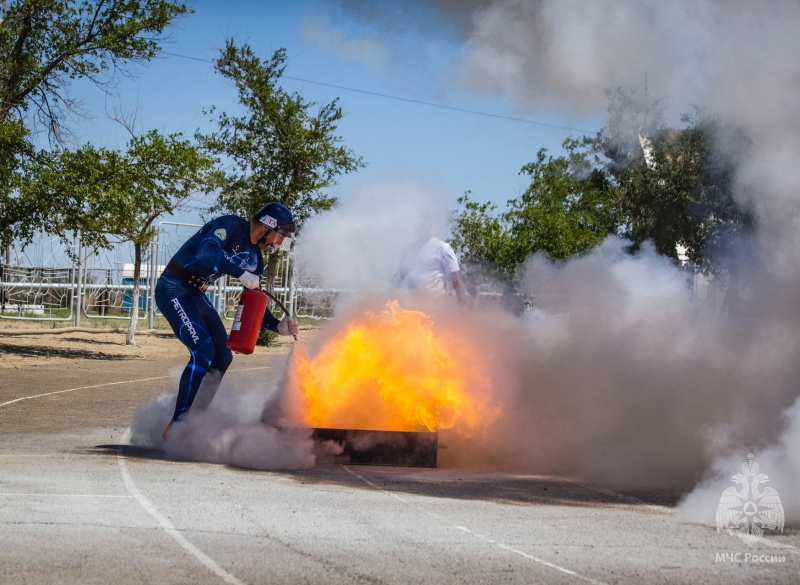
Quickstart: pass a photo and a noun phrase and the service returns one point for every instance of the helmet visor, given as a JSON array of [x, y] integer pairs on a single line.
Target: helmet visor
[[286, 230], [286, 239]]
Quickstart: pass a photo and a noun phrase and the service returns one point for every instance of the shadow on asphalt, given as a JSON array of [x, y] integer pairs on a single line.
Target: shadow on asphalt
[[129, 451], [494, 486], [49, 352], [451, 483]]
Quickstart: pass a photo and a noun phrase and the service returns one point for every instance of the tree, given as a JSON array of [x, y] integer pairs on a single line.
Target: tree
[[632, 116], [117, 195], [481, 240], [630, 149], [44, 46], [676, 188], [637, 178], [279, 149], [15, 152], [568, 208]]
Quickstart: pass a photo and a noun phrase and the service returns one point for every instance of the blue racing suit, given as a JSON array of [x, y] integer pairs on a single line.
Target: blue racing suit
[[222, 246]]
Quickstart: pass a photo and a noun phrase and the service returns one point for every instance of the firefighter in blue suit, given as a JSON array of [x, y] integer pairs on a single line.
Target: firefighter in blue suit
[[228, 245]]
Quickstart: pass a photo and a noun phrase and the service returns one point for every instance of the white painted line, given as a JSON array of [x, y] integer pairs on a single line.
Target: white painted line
[[134, 491], [642, 503], [167, 525], [111, 384], [479, 536], [81, 388], [787, 547], [60, 495], [519, 552], [764, 540]]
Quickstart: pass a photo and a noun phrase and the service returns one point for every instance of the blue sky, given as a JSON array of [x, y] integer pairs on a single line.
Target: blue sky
[[336, 54]]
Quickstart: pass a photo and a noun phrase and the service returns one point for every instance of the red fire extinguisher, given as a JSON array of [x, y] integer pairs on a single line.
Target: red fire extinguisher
[[247, 322]]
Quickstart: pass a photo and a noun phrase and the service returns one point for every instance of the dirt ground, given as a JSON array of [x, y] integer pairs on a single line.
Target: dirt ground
[[115, 378], [46, 346]]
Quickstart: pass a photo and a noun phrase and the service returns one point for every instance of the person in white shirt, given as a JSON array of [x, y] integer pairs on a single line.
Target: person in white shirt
[[428, 264]]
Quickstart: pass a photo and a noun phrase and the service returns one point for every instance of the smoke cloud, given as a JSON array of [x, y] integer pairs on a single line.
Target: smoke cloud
[[627, 378], [358, 244], [566, 53], [627, 381], [228, 431]]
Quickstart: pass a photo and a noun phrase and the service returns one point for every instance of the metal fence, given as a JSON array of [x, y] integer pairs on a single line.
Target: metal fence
[[48, 281], [51, 281]]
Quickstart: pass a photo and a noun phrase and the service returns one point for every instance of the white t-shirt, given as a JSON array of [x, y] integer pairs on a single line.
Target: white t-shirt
[[429, 266]]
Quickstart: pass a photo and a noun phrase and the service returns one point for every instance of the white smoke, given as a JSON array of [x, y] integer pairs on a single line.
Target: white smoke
[[229, 430], [779, 462], [626, 381], [566, 53], [365, 49], [358, 244], [634, 382]]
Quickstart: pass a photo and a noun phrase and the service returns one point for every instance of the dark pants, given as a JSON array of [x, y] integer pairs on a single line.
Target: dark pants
[[200, 329]]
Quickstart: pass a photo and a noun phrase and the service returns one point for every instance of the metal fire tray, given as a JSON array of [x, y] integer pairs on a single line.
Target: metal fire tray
[[401, 448]]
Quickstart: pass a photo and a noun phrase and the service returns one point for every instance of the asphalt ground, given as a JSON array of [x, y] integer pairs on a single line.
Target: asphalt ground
[[77, 506]]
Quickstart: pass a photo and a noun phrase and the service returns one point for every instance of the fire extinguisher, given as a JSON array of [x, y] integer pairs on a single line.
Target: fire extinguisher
[[247, 322]]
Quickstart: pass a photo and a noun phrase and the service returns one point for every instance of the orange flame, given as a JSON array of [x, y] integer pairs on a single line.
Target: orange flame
[[390, 371]]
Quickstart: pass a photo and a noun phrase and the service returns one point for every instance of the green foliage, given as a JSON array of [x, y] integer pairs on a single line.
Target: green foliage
[[103, 194], [280, 150], [720, 222], [44, 46], [635, 178], [567, 209], [631, 114], [107, 193], [481, 237], [266, 337], [15, 153], [677, 191], [649, 203]]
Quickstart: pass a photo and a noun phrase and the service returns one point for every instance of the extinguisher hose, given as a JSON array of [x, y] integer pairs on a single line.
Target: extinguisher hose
[[280, 304]]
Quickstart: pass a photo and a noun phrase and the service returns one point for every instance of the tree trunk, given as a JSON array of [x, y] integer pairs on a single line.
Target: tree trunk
[[137, 270], [270, 272]]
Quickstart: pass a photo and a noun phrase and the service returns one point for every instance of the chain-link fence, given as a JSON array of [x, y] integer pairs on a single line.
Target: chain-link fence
[[50, 281]]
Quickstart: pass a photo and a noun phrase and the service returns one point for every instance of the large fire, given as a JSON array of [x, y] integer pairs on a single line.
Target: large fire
[[391, 370]]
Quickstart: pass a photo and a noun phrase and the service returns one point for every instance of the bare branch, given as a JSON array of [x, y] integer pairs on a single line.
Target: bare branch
[[127, 119]]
